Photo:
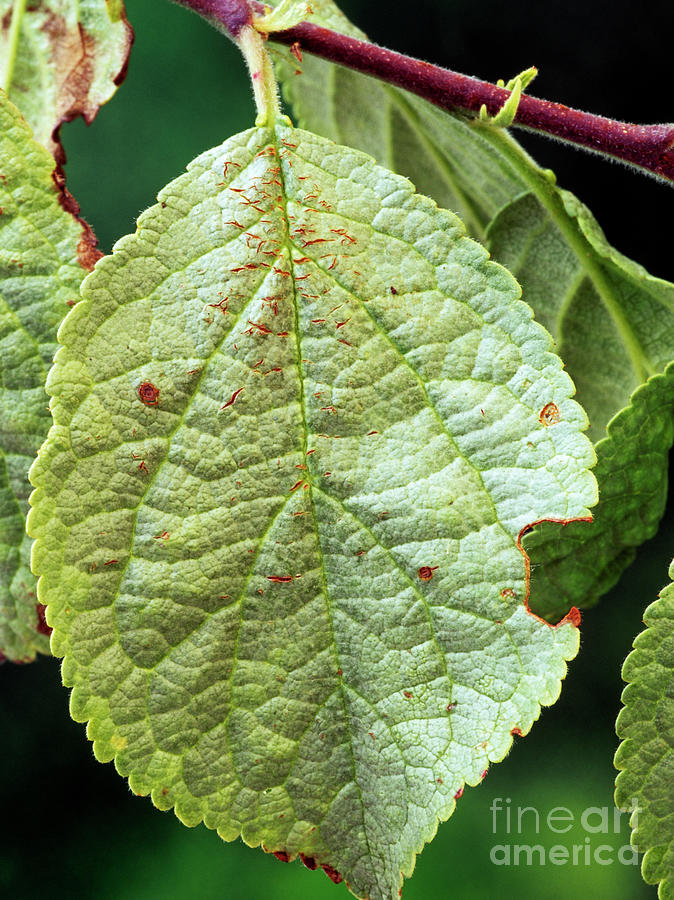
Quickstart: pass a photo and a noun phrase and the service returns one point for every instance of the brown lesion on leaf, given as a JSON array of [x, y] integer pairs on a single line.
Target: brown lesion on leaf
[[73, 69], [87, 250]]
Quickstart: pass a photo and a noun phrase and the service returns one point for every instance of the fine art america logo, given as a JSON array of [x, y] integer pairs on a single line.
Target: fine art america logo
[[585, 847]]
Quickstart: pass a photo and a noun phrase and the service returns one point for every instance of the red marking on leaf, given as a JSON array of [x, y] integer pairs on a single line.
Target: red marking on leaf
[[408, 694], [261, 328], [393, 290], [458, 794], [232, 399], [280, 579], [111, 562], [550, 415], [516, 731], [451, 706], [573, 617], [235, 224], [164, 536], [282, 855], [330, 409], [508, 592], [148, 393], [425, 573], [42, 627], [309, 452], [296, 51], [309, 862], [439, 780], [342, 324], [275, 369], [302, 259], [332, 874], [296, 485], [339, 672]]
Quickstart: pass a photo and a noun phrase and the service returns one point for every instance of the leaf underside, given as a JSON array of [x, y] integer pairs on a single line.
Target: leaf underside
[[297, 433], [646, 755], [40, 275], [612, 321], [70, 56]]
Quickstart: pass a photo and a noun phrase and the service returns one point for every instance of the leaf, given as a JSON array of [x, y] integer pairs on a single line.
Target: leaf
[[60, 59], [574, 565], [297, 434], [614, 323], [646, 756], [44, 251]]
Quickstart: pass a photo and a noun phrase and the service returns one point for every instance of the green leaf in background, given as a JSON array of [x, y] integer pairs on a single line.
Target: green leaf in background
[[60, 59], [646, 756], [612, 321], [298, 431], [43, 249]]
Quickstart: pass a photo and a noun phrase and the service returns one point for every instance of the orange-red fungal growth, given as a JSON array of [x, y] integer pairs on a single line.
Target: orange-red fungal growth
[[550, 415], [280, 579], [516, 732], [458, 794], [572, 617], [148, 393], [425, 573], [296, 51], [508, 592], [232, 399]]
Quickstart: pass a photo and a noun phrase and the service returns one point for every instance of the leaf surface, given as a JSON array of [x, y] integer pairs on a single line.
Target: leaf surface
[[297, 434], [646, 756], [43, 249], [612, 321], [60, 59]]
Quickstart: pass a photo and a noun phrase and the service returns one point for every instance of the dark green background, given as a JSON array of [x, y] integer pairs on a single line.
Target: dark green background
[[73, 829]]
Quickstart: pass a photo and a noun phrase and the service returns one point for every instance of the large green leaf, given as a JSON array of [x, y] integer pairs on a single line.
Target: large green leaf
[[43, 249], [612, 321], [60, 59], [297, 434], [646, 756]]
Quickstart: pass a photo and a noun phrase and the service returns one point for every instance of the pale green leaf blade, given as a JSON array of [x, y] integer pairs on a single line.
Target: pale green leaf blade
[[60, 59], [43, 250], [613, 322], [645, 757], [297, 435]]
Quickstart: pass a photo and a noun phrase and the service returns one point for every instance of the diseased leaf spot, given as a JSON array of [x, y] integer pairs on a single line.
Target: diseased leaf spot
[[148, 393], [309, 862], [425, 573], [550, 415]]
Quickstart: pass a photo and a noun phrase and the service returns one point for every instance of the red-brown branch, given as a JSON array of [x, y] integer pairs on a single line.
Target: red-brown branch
[[650, 147]]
